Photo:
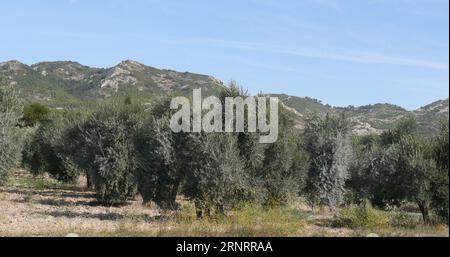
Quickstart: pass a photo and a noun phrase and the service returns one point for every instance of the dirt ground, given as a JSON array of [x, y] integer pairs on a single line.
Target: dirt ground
[[60, 210], [30, 207]]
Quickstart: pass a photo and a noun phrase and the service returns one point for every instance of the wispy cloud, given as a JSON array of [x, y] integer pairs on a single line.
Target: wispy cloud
[[422, 8], [334, 4], [262, 65], [355, 57]]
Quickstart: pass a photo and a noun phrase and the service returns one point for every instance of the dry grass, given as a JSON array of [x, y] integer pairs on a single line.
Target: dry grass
[[43, 207], [250, 221]]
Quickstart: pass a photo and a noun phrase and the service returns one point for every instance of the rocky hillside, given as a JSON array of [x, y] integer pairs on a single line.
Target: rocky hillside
[[430, 116], [60, 83], [57, 83], [371, 118]]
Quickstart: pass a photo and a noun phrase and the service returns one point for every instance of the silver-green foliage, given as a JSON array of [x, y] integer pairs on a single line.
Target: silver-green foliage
[[283, 174], [440, 184], [107, 154], [334, 179], [10, 137], [50, 149], [217, 178], [161, 163], [401, 165], [327, 142]]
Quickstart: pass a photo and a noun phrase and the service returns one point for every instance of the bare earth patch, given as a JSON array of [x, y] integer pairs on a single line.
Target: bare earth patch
[[61, 210], [42, 207]]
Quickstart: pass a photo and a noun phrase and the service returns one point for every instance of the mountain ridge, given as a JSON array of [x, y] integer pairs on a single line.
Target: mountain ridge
[[57, 82]]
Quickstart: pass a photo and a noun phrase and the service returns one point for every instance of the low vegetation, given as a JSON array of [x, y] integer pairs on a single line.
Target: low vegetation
[[42, 206]]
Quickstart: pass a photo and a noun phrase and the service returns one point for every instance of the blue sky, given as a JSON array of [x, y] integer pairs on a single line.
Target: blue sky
[[343, 52]]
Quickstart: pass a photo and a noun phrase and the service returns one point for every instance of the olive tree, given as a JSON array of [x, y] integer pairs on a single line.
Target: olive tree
[[161, 162], [285, 166], [51, 148], [440, 185], [328, 144], [401, 165], [163, 156], [216, 178], [107, 152], [415, 168], [10, 136]]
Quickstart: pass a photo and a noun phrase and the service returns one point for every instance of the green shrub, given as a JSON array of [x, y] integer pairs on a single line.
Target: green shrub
[[403, 220], [34, 113], [363, 216], [248, 220]]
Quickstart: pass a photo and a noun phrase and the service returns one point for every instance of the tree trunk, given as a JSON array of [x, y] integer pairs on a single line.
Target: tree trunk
[[166, 196], [199, 210], [199, 214], [89, 183], [425, 210], [173, 194], [220, 209]]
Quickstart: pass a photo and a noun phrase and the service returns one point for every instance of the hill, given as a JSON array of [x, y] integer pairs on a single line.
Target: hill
[[371, 118], [61, 83]]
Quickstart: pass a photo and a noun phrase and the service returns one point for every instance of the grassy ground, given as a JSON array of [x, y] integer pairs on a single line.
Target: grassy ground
[[40, 206]]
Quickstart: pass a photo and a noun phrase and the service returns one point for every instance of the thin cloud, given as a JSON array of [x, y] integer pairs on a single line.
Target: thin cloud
[[355, 57], [334, 4], [262, 65]]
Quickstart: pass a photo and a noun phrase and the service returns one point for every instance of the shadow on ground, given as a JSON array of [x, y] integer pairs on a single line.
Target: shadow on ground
[[111, 216]]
